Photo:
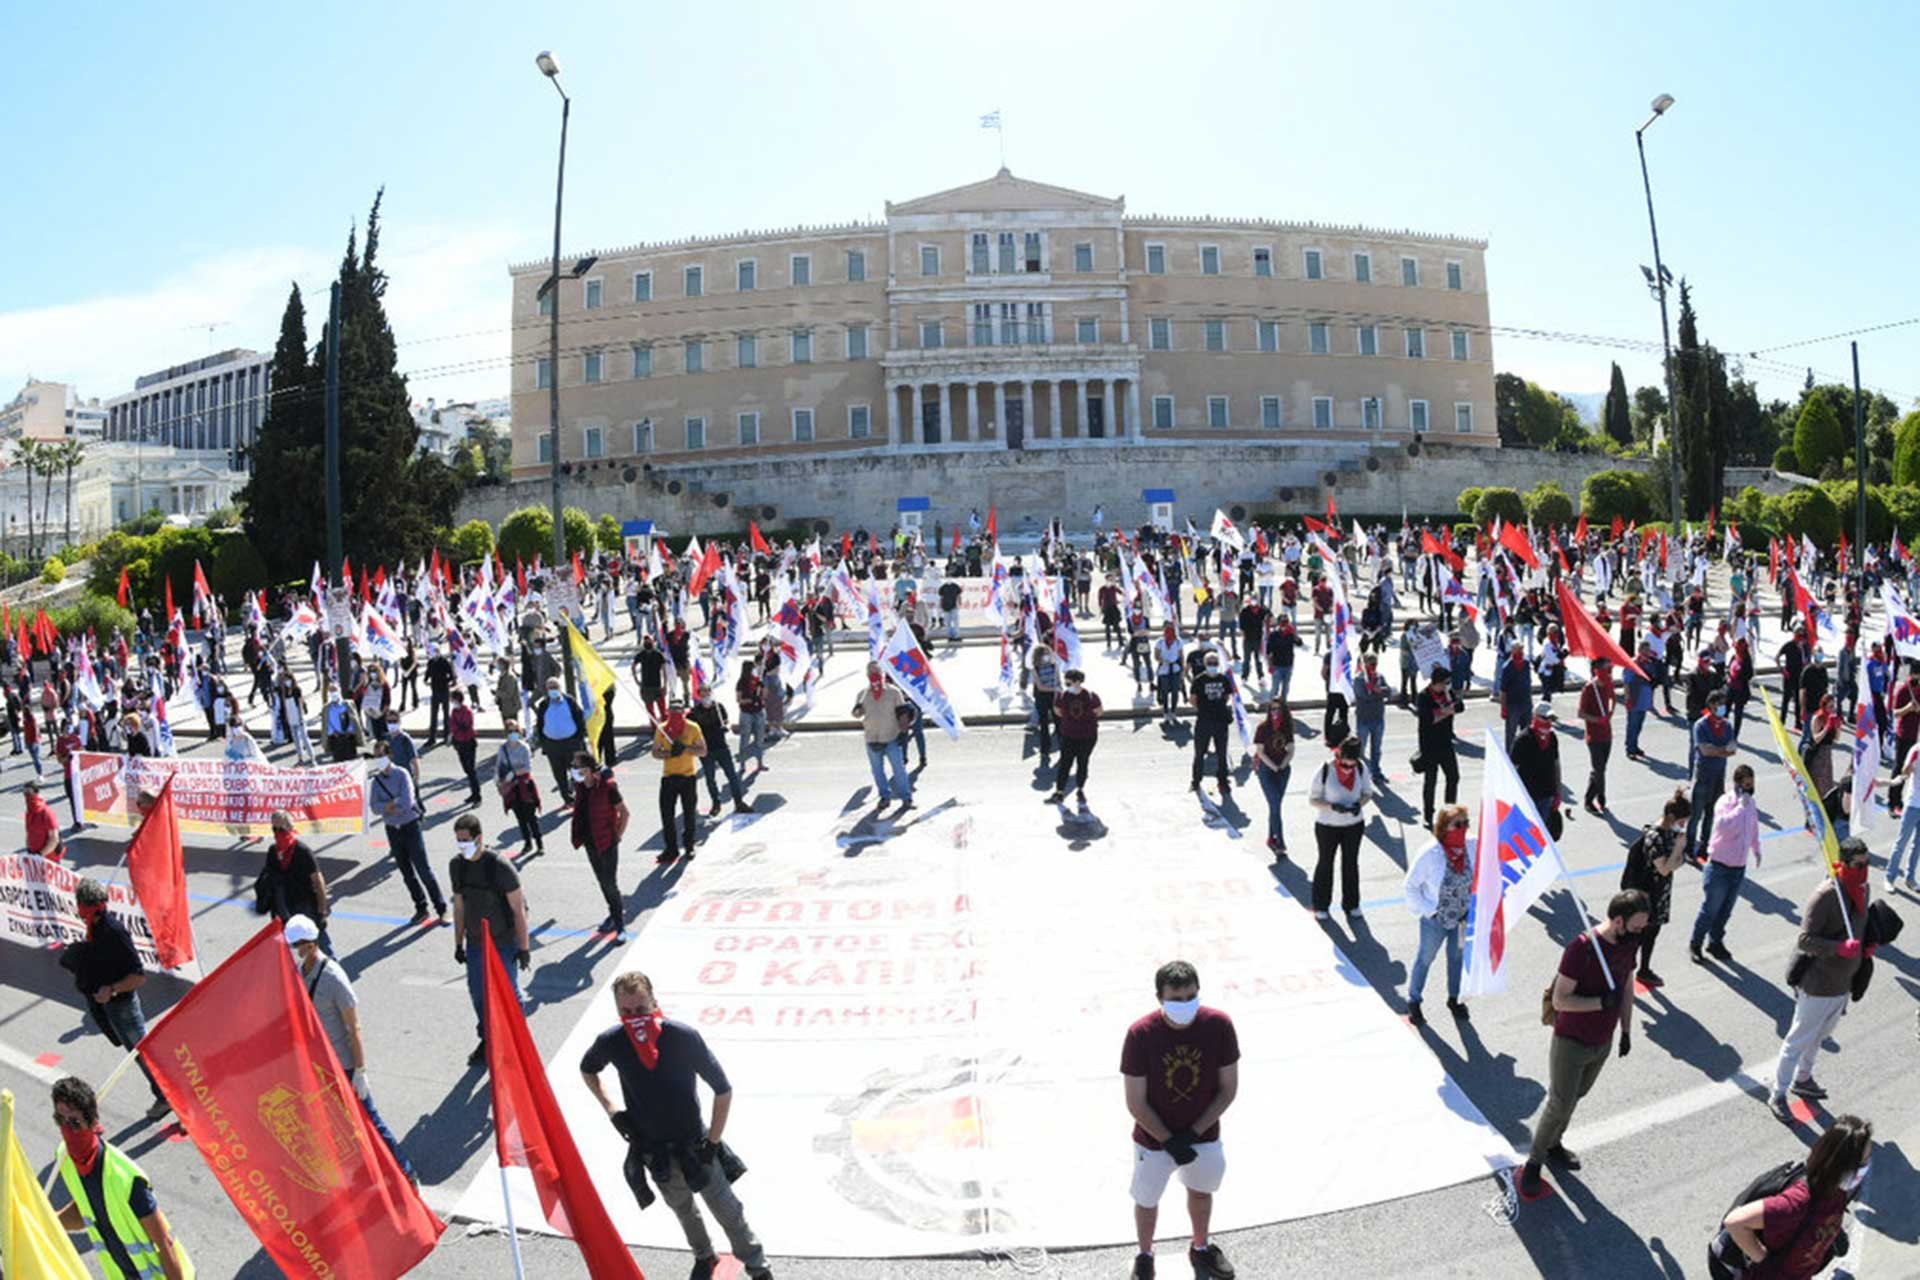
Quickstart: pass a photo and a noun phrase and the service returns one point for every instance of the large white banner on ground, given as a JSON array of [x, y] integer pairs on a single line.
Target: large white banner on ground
[[924, 1041], [37, 909]]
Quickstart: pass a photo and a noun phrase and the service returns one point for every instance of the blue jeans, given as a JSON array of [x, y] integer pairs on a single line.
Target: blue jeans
[[1282, 680], [128, 1021], [1706, 793], [880, 756], [409, 849], [753, 737], [1905, 841], [1371, 732], [477, 984], [1722, 884], [1431, 936], [386, 1135], [1636, 716], [1274, 783]]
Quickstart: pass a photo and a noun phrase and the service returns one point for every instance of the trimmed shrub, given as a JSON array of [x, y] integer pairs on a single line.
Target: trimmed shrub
[[1807, 512], [54, 572], [1784, 459], [1469, 498], [1549, 505], [1607, 494], [1499, 501]]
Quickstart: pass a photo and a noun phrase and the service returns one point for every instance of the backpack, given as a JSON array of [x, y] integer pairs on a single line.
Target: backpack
[[1721, 1248]]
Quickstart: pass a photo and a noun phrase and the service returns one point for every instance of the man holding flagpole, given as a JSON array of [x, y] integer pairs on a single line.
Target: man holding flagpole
[[1827, 956]]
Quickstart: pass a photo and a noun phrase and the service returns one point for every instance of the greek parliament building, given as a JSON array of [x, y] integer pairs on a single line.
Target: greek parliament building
[[1007, 315]]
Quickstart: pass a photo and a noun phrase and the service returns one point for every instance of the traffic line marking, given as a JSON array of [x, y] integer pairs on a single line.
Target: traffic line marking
[[41, 1071]]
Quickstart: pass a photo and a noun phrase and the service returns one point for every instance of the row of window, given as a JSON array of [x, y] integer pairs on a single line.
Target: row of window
[[1372, 414], [693, 355], [1366, 339], [749, 429], [693, 279]]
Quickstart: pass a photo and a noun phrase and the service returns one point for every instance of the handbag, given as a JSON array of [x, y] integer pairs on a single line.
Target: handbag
[[1546, 1006]]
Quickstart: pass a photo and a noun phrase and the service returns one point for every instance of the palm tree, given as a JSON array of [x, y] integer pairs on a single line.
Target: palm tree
[[69, 453], [28, 453]]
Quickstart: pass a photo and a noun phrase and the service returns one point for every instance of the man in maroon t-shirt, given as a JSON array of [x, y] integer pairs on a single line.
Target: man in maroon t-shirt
[[1180, 1067], [1589, 1001]]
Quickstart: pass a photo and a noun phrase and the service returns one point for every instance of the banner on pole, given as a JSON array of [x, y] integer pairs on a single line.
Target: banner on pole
[[37, 909], [224, 797]]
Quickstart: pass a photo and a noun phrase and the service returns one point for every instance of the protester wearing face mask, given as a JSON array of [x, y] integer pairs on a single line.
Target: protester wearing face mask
[[1795, 1233], [1592, 995], [1536, 758], [560, 730], [880, 708], [1273, 748], [1077, 709], [1734, 841], [1596, 717], [107, 970], [1434, 711], [1339, 793], [710, 717], [1827, 957], [487, 899], [1651, 861], [1439, 893], [290, 883], [1169, 672], [391, 794], [111, 1198], [1180, 1066], [1212, 696], [1713, 746]]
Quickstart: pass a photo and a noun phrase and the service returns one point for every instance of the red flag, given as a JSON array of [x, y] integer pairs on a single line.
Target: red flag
[[446, 573], [993, 524], [366, 590], [1619, 527], [1514, 539], [1562, 557], [846, 546], [1580, 528], [380, 576], [1432, 546], [1315, 526], [1587, 638], [759, 543], [1773, 561], [43, 631], [579, 574], [157, 868], [1713, 513], [1646, 539], [1843, 553], [1259, 540], [433, 566], [24, 644], [530, 1133], [520, 574], [200, 587], [708, 566], [170, 609], [499, 567], [956, 538], [1333, 517], [1663, 548], [126, 588], [873, 543], [255, 1083]]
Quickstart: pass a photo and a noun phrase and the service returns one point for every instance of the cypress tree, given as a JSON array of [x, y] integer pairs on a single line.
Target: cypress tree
[[1615, 417], [285, 507]]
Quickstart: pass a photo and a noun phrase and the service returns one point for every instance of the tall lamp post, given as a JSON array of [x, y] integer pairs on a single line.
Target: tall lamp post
[[1678, 512], [550, 68]]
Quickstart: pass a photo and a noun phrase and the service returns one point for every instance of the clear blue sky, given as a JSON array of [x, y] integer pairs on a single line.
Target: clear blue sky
[[173, 168]]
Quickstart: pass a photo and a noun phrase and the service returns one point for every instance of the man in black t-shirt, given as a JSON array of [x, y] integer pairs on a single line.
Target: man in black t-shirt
[[1212, 696], [1434, 708], [108, 971], [658, 1060], [486, 899]]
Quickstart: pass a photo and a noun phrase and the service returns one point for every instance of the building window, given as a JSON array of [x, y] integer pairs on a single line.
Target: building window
[[643, 286], [643, 436], [929, 259], [1323, 412], [696, 433], [695, 281], [643, 360], [930, 333], [857, 342], [1369, 340], [1263, 262], [749, 428], [746, 351], [1010, 323], [1416, 344], [1417, 416], [593, 366], [1006, 253], [1209, 260], [983, 324], [1086, 331], [1163, 412], [1083, 256], [593, 294], [1160, 334], [800, 269], [1409, 271], [1038, 330], [856, 266], [595, 443], [1459, 344], [546, 303], [748, 273], [859, 422], [1370, 412], [1270, 411], [1463, 418], [1216, 411], [696, 356], [1318, 340], [803, 346], [1269, 335], [1030, 246], [1216, 335], [1363, 268], [803, 425], [1453, 276], [1314, 269], [543, 447], [542, 373], [1156, 259], [982, 261]]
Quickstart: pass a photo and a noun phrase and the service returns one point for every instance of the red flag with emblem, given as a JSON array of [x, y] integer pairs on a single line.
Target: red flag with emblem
[[759, 543]]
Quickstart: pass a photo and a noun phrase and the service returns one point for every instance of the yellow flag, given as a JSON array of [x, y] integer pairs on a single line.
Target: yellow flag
[[596, 685], [32, 1242], [1819, 826]]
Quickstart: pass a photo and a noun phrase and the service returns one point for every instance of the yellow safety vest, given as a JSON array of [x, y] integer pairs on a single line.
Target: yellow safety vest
[[117, 1179]]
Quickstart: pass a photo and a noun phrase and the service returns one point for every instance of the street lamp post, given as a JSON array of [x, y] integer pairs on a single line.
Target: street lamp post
[[550, 68], [1678, 511]]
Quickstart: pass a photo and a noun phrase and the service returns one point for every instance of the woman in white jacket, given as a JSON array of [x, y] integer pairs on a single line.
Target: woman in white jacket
[[1439, 891]]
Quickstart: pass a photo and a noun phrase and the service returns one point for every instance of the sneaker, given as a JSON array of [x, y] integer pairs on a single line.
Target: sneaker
[[703, 1268], [1055, 798], [1355, 913], [1458, 1008], [1809, 1088], [1718, 951], [1781, 1111], [713, 811], [687, 856], [662, 858], [1211, 1263], [419, 916], [1694, 953], [1648, 978], [1319, 915], [1142, 1267], [1414, 1016], [1562, 1157], [1528, 1182]]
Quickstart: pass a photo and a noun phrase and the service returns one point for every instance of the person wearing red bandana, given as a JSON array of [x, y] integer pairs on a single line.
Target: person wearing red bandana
[[679, 746], [1439, 893], [658, 1060], [290, 883], [599, 821], [1822, 973], [107, 970], [1536, 758], [1596, 714], [43, 825], [111, 1199], [1340, 791]]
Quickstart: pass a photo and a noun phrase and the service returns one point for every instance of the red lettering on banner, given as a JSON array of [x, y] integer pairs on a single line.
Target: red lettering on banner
[[716, 973]]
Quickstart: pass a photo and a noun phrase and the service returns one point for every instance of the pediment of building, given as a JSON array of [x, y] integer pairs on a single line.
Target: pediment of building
[[1005, 193]]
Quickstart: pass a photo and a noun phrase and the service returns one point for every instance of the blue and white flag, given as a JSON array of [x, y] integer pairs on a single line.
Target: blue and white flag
[[1866, 766], [909, 668], [1515, 862]]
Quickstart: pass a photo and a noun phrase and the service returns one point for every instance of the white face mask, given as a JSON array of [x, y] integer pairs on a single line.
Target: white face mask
[[1181, 1013], [576, 774], [1852, 1181], [468, 849]]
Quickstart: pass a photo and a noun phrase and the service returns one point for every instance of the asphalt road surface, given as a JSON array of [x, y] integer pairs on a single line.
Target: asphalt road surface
[[1668, 1134]]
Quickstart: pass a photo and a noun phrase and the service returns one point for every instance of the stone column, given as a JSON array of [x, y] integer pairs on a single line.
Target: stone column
[[1053, 409], [1135, 426], [1111, 399], [1080, 391], [972, 391], [1000, 410], [893, 416]]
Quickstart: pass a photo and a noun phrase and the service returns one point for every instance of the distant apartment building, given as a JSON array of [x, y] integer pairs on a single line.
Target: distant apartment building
[[214, 404], [445, 425], [51, 411], [1007, 314]]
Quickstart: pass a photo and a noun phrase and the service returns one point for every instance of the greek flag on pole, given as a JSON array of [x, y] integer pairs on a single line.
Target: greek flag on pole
[[1515, 861], [909, 668], [796, 656], [1900, 624], [991, 120], [1340, 665]]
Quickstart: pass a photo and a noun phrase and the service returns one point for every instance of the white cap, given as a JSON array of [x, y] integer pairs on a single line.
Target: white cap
[[301, 929]]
